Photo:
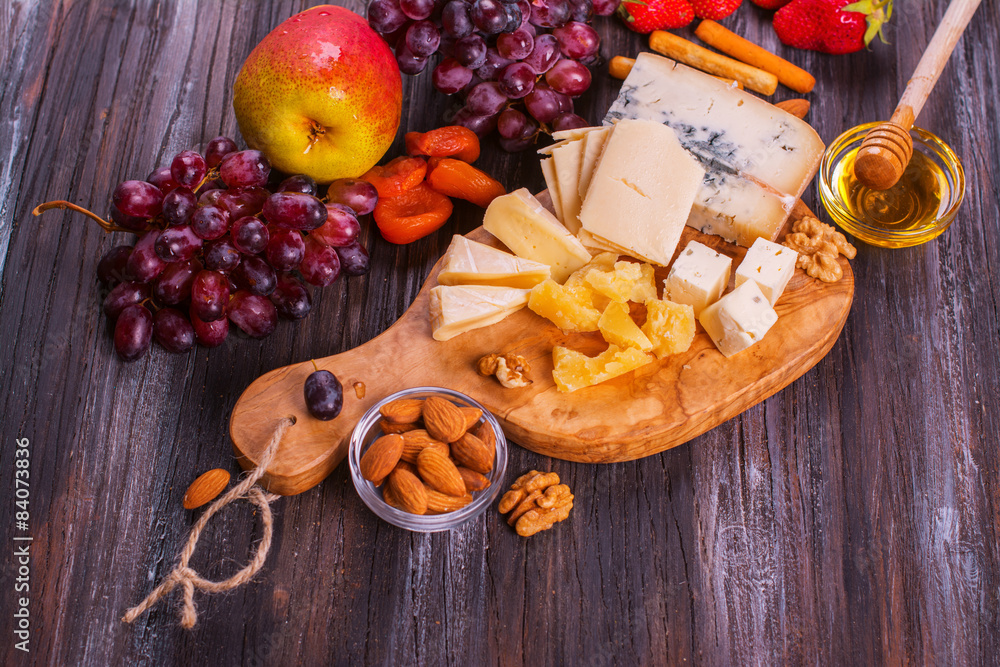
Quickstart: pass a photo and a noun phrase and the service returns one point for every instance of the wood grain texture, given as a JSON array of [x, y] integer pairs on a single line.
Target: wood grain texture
[[852, 518]]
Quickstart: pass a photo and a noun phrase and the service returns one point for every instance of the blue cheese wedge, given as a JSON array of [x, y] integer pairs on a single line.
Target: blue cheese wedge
[[770, 265], [642, 190], [698, 277], [456, 309], [758, 159], [739, 319], [470, 263]]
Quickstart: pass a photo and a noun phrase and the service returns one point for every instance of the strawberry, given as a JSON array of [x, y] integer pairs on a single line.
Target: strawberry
[[645, 16], [770, 4], [714, 9], [831, 26]]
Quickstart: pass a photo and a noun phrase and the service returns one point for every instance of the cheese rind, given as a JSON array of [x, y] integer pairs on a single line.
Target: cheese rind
[[739, 319], [456, 309], [471, 263], [698, 277], [770, 265], [642, 190], [530, 231]]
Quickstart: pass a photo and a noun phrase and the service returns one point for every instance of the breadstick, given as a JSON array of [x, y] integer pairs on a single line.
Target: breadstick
[[620, 66], [701, 58], [746, 51]]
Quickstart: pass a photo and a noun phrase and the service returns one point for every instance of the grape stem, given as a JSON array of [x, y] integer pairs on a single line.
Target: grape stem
[[212, 174], [106, 225], [314, 364]]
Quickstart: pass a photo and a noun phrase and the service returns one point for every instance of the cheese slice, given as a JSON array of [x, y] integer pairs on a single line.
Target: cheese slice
[[455, 309], [642, 190], [593, 146], [530, 231], [770, 265], [470, 263], [549, 174], [758, 158], [567, 160]]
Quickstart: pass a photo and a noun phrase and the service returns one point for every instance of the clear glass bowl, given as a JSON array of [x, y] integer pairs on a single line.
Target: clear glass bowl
[[947, 172], [367, 431]]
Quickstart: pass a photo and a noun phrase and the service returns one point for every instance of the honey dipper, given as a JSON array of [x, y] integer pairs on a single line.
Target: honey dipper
[[887, 148]]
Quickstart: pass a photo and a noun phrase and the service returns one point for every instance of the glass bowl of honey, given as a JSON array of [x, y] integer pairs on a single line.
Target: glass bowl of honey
[[917, 209]]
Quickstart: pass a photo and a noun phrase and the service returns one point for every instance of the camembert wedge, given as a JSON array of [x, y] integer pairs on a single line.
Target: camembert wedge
[[455, 309]]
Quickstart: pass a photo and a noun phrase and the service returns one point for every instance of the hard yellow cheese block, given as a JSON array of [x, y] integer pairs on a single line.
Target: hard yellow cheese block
[[455, 309], [573, 370], [670, 326], [531, 232], [627, 281], [470, 263], [568, 307], [618, 328]]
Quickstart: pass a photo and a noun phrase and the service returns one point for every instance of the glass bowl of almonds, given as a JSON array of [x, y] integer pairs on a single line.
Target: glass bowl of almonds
[[428, 459]]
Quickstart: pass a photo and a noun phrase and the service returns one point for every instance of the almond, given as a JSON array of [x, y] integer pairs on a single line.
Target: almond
[[415, 441], [388, 427], [408, 467], [407, 489], [472, 453], [402, 410], [390, 499], [485, 433], [381, 457], [439, 473], [205, 489], [439, 503], [473, 480], [472, 416], [443, 419], [798, 107]]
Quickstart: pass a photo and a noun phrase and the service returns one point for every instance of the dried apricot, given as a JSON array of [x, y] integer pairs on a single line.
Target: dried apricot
[[411, 215], [459, 179], [451, 141], [397, 176]]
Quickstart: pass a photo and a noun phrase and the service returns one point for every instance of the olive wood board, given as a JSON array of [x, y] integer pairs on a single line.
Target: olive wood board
[[643, 412]]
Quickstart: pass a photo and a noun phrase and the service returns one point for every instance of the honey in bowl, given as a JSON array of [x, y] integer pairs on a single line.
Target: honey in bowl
[[915, 210]]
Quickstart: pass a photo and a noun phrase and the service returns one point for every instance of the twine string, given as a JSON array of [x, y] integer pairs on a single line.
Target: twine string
[[186, 577]]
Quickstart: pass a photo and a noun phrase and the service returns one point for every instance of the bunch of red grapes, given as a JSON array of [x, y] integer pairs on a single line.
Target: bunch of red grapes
[[517, 64], [222, 243]]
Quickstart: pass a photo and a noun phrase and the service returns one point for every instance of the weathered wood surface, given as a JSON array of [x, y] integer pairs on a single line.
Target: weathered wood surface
[[850, 519]]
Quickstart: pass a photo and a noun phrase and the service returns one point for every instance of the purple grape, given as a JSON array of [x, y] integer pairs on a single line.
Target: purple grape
[[581, 11], [605, 7], [525, 8], [471, 51], [517, 144], [209, 295], [285, 249], [409, 62], [210, 222], [416, 9], [486, 99], [545, 104], [221, 255], [489, 16], [178, 206], [577, 40], [244, 169], [124, 295], [255, 276], [173, 331], [513, 124], [385, 16], [299, 183], [320, 265], [455, 19], [144, 264], [354, 259], [568, 121], [294, 210], [450, 76], [174, 284], [291, 298], [544, 54], [447, 46], [210, 334], [244, 202], [324, 395], [550, 13], [111, 268], [516, 45], [128, 221], [341, 227], [138, 199], [177, 244], [133, 332], [249, 235], [569, 78], [254, 314], [513, 15], [422, 38], [211, 197], [516, 80], [491, 67], [188, 168], [359, 196], [217, 149], [162, 180], [481, 125]]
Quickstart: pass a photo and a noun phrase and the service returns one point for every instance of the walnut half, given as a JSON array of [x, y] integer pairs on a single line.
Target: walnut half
[[819, 246], [536, 501], [511, 370]]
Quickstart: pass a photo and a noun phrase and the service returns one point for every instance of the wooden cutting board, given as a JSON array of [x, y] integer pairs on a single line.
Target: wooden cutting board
[[643, 412]]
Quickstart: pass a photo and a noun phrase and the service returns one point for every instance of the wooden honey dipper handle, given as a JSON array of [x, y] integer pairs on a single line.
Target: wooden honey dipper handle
[[887, 148]]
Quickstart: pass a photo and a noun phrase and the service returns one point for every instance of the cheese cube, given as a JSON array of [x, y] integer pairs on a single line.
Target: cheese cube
[[641, 193], [618, 328], [739, 319], [460, 308], [531, 232], [470, 263], [698, 277], [770, 265], [572, 370]]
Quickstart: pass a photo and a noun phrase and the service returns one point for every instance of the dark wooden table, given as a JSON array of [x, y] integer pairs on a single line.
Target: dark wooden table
[[851, 519]]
